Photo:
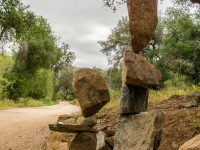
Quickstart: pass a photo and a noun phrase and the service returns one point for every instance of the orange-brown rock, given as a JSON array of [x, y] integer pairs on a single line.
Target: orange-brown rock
[[138, 71], [142, 22], [91, 91]]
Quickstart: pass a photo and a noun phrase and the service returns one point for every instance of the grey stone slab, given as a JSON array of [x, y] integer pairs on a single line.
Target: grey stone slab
[[139, 132], [134, 99]]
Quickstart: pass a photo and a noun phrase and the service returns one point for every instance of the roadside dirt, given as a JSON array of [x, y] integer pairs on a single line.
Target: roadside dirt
[[178, 127], [27, 128]]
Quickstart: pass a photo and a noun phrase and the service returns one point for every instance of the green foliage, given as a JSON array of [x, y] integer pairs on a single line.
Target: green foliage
[[194, 120], [36, 53], [181, 50], [24, 102], [116, 43], [113, 4], [63, 84]]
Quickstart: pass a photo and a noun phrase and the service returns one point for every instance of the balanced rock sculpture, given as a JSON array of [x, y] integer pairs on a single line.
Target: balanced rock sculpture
[[91, 91], [142, 22]]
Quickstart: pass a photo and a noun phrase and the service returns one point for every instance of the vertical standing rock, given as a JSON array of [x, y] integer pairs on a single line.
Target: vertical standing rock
[[91, 91], [139, 132], [134, 99], [142, 22]]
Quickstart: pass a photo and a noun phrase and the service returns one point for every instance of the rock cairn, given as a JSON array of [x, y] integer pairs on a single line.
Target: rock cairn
[[92, 93], [138, 129]]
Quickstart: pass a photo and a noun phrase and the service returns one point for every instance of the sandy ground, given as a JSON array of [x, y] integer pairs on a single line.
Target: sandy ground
[[27, 128]]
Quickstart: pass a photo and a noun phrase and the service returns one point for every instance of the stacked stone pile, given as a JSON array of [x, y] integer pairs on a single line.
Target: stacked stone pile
[[92, 93], [138, 129]]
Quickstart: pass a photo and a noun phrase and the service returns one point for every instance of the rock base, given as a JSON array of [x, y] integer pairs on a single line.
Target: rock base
[[140, 131]]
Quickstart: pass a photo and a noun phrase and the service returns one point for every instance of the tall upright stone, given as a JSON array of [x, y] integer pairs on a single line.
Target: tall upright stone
[[91, 91], [139, 132], [142, 22]]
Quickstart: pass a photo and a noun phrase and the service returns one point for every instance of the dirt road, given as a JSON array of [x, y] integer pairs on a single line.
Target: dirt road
[[27, 128]]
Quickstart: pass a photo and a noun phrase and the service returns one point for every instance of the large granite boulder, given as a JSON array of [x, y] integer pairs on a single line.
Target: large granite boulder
[[138, 71], [133, 100], [142, 22], [139, 132], [91, 91], [192, 144]]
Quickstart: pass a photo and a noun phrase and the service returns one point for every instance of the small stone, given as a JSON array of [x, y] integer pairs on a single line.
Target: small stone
[[138, 71], [101, 141], [89, 121], [53, 142], [83, 141], [192, 103], [110, 131], [139, 132], [62, 118], [91, 91], [110, 141], [134, 99]]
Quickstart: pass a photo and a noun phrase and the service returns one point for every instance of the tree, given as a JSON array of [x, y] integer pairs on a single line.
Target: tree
[[38, 53], [120, 40], [113, 4], [14, 20], [116, 43], [66, 58], [181, 43]]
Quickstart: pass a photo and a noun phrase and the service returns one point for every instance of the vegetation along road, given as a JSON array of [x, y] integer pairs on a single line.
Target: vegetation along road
[[27, 128]]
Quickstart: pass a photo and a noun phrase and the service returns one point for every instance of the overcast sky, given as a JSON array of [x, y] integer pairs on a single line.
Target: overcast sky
[[81, 23]]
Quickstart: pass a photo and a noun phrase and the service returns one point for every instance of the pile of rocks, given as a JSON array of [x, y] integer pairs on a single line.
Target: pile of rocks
[[136, 128], [92, 93]]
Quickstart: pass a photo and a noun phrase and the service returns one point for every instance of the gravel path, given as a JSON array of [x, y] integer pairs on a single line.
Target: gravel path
[[27, 128]]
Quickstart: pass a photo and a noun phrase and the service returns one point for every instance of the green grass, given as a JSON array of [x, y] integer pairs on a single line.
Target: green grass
[[24, 102], [169, 91]]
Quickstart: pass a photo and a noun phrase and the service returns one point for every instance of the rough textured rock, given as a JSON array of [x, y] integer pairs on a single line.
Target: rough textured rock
[[142, 22], [69, 128], [91, 91], [83, 141], [138, 71], [101, 141], [110, 141], [64, 117], [89, 121], [68, 121], [192, 103], [134, 99], [192, 144], [110, 131], [140, 131], [55, 143]]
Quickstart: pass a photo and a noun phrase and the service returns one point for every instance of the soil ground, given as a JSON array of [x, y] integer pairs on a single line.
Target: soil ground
[[27, 128], [178, 127], [30, 130]]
